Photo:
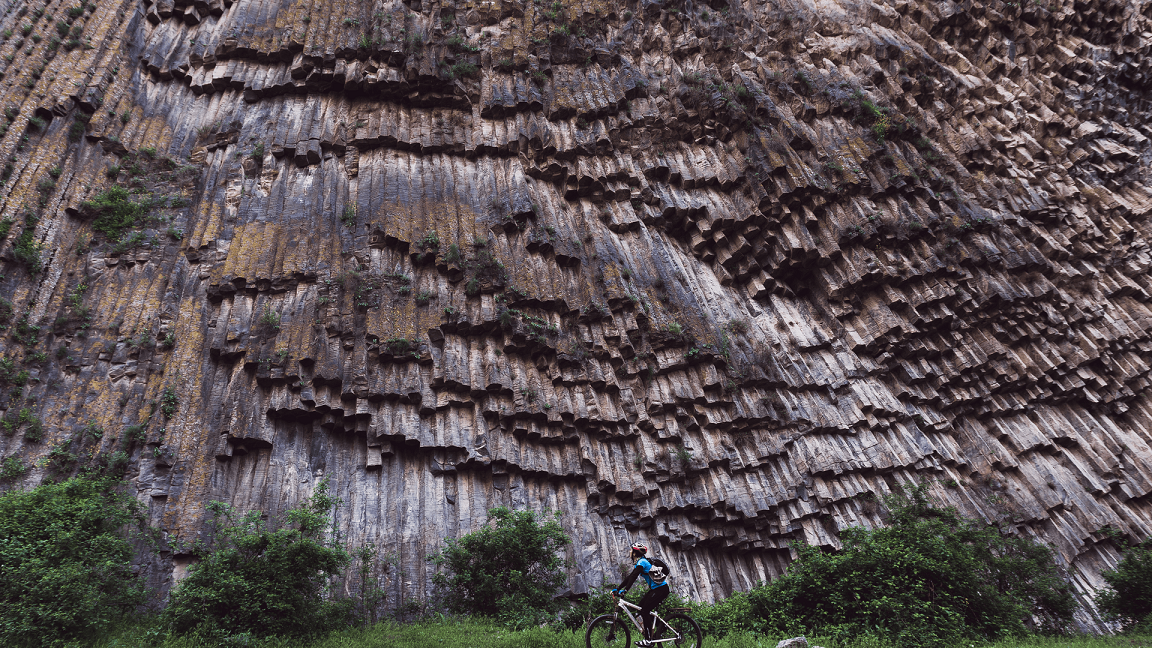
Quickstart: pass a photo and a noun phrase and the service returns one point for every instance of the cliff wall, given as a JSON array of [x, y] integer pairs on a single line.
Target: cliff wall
[[712, 275]]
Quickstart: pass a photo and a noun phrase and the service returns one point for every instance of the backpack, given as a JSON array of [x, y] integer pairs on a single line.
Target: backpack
[[659, 572]]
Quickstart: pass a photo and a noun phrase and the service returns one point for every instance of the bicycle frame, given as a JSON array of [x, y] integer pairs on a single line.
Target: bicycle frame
[[622, 605]]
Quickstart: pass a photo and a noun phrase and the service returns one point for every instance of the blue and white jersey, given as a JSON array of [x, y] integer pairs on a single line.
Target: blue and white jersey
[[645, 571]]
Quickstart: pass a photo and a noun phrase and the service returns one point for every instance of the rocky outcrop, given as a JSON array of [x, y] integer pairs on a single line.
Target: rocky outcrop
[[714, 275]]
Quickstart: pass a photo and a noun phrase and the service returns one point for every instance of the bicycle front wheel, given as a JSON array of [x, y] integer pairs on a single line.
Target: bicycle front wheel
[[687, 631], [607, 631]]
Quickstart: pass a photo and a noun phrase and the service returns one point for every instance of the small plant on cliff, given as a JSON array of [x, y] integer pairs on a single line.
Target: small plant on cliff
[[12, 468], [509, 570], [26, 249], [76, 131], [683, 455], [256, 580], [115, 212], [169, 401], [65, 564], [737, 325], [452, 256], [348, 217], [270, 319]]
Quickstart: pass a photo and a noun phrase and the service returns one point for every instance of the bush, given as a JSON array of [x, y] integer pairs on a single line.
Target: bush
[[115, 212], [1129, 599], [12, 468], [931, 578], [65, 570], [169, 402], [252, 580], [26, 248], [508, 571]]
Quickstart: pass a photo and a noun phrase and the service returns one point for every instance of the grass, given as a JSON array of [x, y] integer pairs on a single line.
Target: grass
[[479, 634]]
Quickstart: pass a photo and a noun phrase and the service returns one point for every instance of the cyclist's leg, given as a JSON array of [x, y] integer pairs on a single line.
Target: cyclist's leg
[[649, 602]]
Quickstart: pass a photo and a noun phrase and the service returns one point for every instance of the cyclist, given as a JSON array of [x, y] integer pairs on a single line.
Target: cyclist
[[658, 588]]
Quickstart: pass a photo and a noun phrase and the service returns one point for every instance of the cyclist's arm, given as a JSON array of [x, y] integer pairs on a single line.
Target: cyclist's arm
[[631, 578]]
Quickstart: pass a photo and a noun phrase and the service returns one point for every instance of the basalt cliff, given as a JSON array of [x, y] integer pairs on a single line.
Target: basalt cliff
[[715, 275]]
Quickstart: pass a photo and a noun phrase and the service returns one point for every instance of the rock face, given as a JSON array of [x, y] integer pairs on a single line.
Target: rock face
[[717, 276]]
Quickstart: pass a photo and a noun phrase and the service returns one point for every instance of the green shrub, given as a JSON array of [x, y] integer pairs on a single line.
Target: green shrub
[[137, 433], [929, 579], [263, 582], [508, 571], [463, 70], [1129, 599], [270, 318], [115, 212], [169, 402], [65, 565], [12, 468], [35, 430], [26, 248], [453, 254]]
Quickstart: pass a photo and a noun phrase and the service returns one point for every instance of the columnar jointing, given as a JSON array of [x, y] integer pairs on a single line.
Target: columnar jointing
[[717, 276]]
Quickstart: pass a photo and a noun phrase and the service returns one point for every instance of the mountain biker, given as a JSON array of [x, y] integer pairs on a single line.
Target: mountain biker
[[657, 591]]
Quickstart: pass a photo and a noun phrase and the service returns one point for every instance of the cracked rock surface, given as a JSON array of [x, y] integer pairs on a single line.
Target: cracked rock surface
[[714, 275]]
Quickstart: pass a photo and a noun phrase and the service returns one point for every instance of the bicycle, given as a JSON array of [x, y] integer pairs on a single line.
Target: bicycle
[[608, 629]]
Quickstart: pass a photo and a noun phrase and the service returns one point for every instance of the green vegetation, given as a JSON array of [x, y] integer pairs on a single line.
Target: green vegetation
[[932, 578], [76, 131], [270, 318], [453, 255], [444, 632], [1129, 599], [169, 402], [260, 582], [12, 468], [348, 217], [462, 70], [115, 212], [65, 564], [137, 433], [508, 570], [26, 248]]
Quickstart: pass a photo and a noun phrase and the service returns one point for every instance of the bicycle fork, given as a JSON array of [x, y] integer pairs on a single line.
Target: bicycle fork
[[612, 633]]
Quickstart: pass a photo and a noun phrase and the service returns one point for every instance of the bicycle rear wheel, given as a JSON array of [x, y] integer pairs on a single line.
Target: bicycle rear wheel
[[606, 631], [687, 629]]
